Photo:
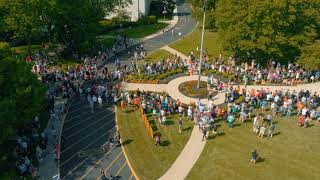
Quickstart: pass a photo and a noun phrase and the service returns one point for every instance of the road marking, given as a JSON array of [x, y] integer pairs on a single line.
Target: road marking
[[79, 130], [119, 171], [70, 172], [92, 167], [106, 169], [85, 137], [92, 114], [85, 147]]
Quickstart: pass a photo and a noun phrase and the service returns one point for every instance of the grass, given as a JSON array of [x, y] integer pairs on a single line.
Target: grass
[[106, 41], [139, 31], [190, 89], [150, 161], [292, 154], [157, 55], [190, 42]]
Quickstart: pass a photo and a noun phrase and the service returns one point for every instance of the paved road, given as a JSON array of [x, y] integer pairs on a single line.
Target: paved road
[[185, 25], [85, 133]]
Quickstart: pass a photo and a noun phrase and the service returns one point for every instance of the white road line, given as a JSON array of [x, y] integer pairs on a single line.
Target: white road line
[[79, 130], [85, 137], [73, 117], [98, 162], [85, 147]]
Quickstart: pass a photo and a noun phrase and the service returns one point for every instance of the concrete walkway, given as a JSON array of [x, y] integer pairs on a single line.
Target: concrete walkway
[[172, 88]]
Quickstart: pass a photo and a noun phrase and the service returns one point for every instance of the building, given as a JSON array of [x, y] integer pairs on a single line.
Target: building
[[134, 10]]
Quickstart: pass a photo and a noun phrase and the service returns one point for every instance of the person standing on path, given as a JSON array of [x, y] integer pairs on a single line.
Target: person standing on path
[[204, 131], [180, 125]]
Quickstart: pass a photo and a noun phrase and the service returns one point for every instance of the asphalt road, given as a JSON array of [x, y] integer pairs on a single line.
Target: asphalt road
[[85, 132]]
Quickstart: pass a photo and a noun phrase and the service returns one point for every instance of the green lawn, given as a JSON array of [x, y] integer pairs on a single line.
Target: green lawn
[[157, 55], [191, 41], [150, 161], [292, 154], [139, 31]]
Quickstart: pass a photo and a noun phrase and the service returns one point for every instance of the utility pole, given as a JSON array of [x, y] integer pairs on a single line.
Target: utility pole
[[201, 49], [138, 9]]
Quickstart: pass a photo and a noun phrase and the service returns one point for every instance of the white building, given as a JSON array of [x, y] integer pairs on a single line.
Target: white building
[[138, 7]]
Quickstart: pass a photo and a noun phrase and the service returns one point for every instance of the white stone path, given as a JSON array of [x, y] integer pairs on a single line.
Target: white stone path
[[192, 150]]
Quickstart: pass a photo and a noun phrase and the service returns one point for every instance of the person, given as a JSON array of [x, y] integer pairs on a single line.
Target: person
[[158, 140], [271, 129], [122, 105], [307, 122], [91, 106], [254, 156], [189, 113], [100, 102], [230, 121], [103, 175], [180, 125], [262, 131], [215, 130], [204, 131]]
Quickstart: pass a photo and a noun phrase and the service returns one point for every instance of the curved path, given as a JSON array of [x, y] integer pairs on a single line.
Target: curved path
[[85, 133]]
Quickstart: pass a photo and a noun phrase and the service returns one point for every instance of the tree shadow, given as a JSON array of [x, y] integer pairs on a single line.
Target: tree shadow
[[126, 142], [165, 143]]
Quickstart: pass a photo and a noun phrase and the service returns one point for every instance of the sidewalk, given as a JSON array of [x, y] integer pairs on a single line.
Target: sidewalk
[[48, 167]]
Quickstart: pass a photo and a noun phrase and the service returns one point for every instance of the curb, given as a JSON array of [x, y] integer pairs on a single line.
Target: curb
[[124, 152]]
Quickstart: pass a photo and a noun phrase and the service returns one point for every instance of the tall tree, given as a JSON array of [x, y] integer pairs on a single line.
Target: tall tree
[[210, 11], [268, 29], [21, 96], [23, 19], [310, 56], [78, 21]]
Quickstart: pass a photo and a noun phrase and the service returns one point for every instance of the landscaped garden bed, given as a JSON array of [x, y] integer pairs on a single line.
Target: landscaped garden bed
[[190, 89], [153, 79]]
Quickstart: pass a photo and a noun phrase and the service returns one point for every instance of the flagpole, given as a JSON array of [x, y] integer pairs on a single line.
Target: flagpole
[[201, 49]]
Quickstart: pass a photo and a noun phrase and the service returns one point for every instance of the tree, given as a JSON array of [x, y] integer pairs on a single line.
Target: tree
[[78, 21], [210, 11], [310, 56], [21, 96], [157, 7], [23, 19], [268, 29]]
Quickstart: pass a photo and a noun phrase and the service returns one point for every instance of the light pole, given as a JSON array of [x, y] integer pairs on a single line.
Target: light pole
[[138, 9], [201, 49]]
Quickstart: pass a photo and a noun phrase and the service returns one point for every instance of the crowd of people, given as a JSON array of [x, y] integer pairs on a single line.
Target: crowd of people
[[255, 73]]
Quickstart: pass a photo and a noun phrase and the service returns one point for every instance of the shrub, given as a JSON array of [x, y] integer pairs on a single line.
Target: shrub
[[148, 20]]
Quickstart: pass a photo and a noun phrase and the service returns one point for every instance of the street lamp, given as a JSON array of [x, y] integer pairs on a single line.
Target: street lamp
[[201, 49]]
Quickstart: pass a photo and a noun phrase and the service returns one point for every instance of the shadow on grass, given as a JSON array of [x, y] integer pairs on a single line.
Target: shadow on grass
[[260, 160], [236, 125], [165, 143], [187, 129], [214, 136], [126, 142], [169, 123], [276, 134]]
